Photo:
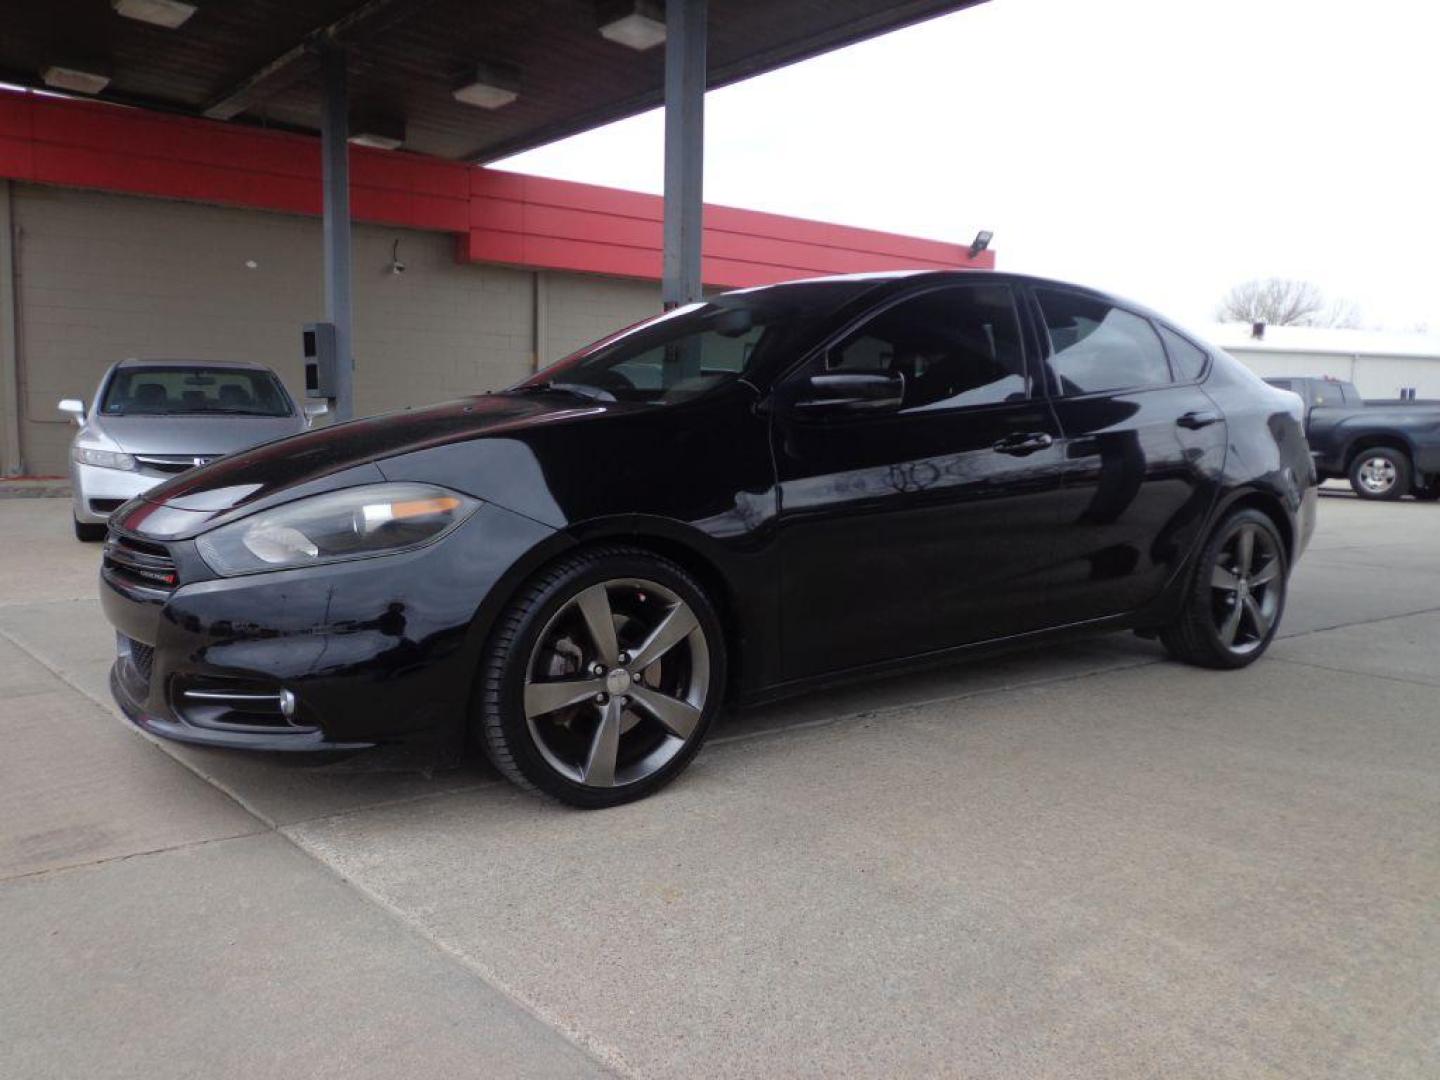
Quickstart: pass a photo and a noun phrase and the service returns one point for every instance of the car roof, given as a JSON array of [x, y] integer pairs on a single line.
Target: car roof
[[247, 365]]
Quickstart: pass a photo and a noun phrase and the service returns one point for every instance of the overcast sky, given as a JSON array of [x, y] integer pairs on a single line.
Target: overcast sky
[[1164, 149]]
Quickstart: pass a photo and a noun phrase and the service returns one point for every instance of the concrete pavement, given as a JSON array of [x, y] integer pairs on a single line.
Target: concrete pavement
[[1088, 862]]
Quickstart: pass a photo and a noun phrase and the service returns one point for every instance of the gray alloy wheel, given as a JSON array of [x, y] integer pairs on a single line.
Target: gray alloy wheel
[[1380, 473], [617, 682], [1236, 597], [1247, 585], [602, 677]]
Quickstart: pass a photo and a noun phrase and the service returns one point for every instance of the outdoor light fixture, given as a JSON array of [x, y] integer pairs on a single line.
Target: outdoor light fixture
[[981, 242], [636, 24], [166, 13], [79, 80], [492, 87], [379, 132]]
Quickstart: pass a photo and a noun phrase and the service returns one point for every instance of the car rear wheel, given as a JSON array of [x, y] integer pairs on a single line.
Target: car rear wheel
[[1380, 473], [602, 678], [89, 532], [1237, 597]]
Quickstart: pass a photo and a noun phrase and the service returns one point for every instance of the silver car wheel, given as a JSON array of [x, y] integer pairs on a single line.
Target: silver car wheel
[[617, 683]]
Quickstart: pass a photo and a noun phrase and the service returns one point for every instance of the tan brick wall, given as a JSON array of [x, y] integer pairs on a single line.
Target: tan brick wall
[[103, 277], [582, 308]]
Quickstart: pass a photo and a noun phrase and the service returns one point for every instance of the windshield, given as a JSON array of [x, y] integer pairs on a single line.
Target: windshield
[[697, 348], [194, 391]]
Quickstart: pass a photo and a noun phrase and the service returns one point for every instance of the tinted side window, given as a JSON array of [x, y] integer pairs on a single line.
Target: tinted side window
[[1186, 359], [1325, 393], [957, 346], [1097, 346]]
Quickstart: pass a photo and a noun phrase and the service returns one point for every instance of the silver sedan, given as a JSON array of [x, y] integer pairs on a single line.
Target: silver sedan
[[151, 419]]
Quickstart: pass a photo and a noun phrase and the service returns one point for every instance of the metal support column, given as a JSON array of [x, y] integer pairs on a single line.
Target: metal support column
[[685, 35], [11, 404], [335, 153]]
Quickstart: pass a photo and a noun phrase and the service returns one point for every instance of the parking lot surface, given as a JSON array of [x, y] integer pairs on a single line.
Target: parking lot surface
[[1083, 862]]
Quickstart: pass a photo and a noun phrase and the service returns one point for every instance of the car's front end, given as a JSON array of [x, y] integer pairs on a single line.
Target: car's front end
[[259, 605], [128, 444]]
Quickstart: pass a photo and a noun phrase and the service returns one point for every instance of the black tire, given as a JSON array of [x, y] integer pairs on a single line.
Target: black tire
[[1198, 636], [88, 532], [1380, 473], [518, 745]]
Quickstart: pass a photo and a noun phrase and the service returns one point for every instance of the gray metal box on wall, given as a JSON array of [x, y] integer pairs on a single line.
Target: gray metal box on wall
[[318, 342]]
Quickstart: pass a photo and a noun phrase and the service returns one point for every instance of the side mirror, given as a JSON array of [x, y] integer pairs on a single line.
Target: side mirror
[[847, 392], [312, 409], [73, 408]]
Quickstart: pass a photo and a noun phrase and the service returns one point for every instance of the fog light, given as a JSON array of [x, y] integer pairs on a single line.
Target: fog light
[[287, 704]]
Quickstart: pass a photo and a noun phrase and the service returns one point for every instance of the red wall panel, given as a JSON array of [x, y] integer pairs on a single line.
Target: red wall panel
[[500, 217]]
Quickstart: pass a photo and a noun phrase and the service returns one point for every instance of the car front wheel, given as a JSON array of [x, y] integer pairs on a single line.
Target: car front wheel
[[602, 678], [1233, 609]]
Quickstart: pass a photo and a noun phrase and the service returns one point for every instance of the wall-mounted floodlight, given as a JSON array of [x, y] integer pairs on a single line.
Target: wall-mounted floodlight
[[492, 87], [89, 79], [166, 13], [981, 242], [636, 24]]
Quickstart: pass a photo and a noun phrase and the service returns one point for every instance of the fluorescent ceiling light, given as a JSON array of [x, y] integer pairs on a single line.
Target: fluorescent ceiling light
[[166, 13], [75, 79], [492, 88], [375, 140], [636, 24]]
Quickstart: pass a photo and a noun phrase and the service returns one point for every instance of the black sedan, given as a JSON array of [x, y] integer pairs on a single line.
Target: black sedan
[[743, 498]]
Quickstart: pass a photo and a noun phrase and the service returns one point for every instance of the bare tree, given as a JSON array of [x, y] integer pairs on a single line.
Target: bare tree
[[1285, 302]]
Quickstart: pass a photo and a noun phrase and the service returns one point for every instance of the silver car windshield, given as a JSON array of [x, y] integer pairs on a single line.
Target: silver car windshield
[[193, 391]]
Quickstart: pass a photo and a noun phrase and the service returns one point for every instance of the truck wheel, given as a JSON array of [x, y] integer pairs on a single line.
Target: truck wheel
[[1380, 473]]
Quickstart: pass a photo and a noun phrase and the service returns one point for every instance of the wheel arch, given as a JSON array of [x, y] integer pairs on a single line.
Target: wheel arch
[[1376, 440], [1269, 504], [667, 539]]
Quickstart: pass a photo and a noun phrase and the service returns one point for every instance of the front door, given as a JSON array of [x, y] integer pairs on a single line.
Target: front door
[[931, 525]]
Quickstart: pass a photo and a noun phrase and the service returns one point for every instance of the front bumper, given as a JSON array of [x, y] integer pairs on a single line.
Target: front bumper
[[369, 651], [97, 491]]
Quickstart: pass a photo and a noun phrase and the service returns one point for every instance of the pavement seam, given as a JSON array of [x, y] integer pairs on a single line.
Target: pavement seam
[[604, 1056], [49, 870], [1357, 622], [1352, 671], [111, 711]]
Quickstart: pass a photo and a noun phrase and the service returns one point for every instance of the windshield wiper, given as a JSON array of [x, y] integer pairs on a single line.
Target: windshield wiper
[[594, 393]]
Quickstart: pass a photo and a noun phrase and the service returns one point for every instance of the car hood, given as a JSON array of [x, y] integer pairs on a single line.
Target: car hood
[[392, 446], [207, 436]]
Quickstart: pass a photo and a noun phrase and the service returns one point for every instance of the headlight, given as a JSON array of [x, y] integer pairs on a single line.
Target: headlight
[[354, 523], [106, 459]]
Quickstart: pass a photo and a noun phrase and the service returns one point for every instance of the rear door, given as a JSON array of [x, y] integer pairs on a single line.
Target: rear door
[[1143, 449]]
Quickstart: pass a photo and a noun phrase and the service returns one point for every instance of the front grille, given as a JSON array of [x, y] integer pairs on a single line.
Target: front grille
[[136, 663], [143, 657], [173, 463], [105, 506], [139, 563]]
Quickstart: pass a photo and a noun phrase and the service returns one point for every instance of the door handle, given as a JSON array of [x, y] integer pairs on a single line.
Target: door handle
[[1023, 443], [1196, 420]]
